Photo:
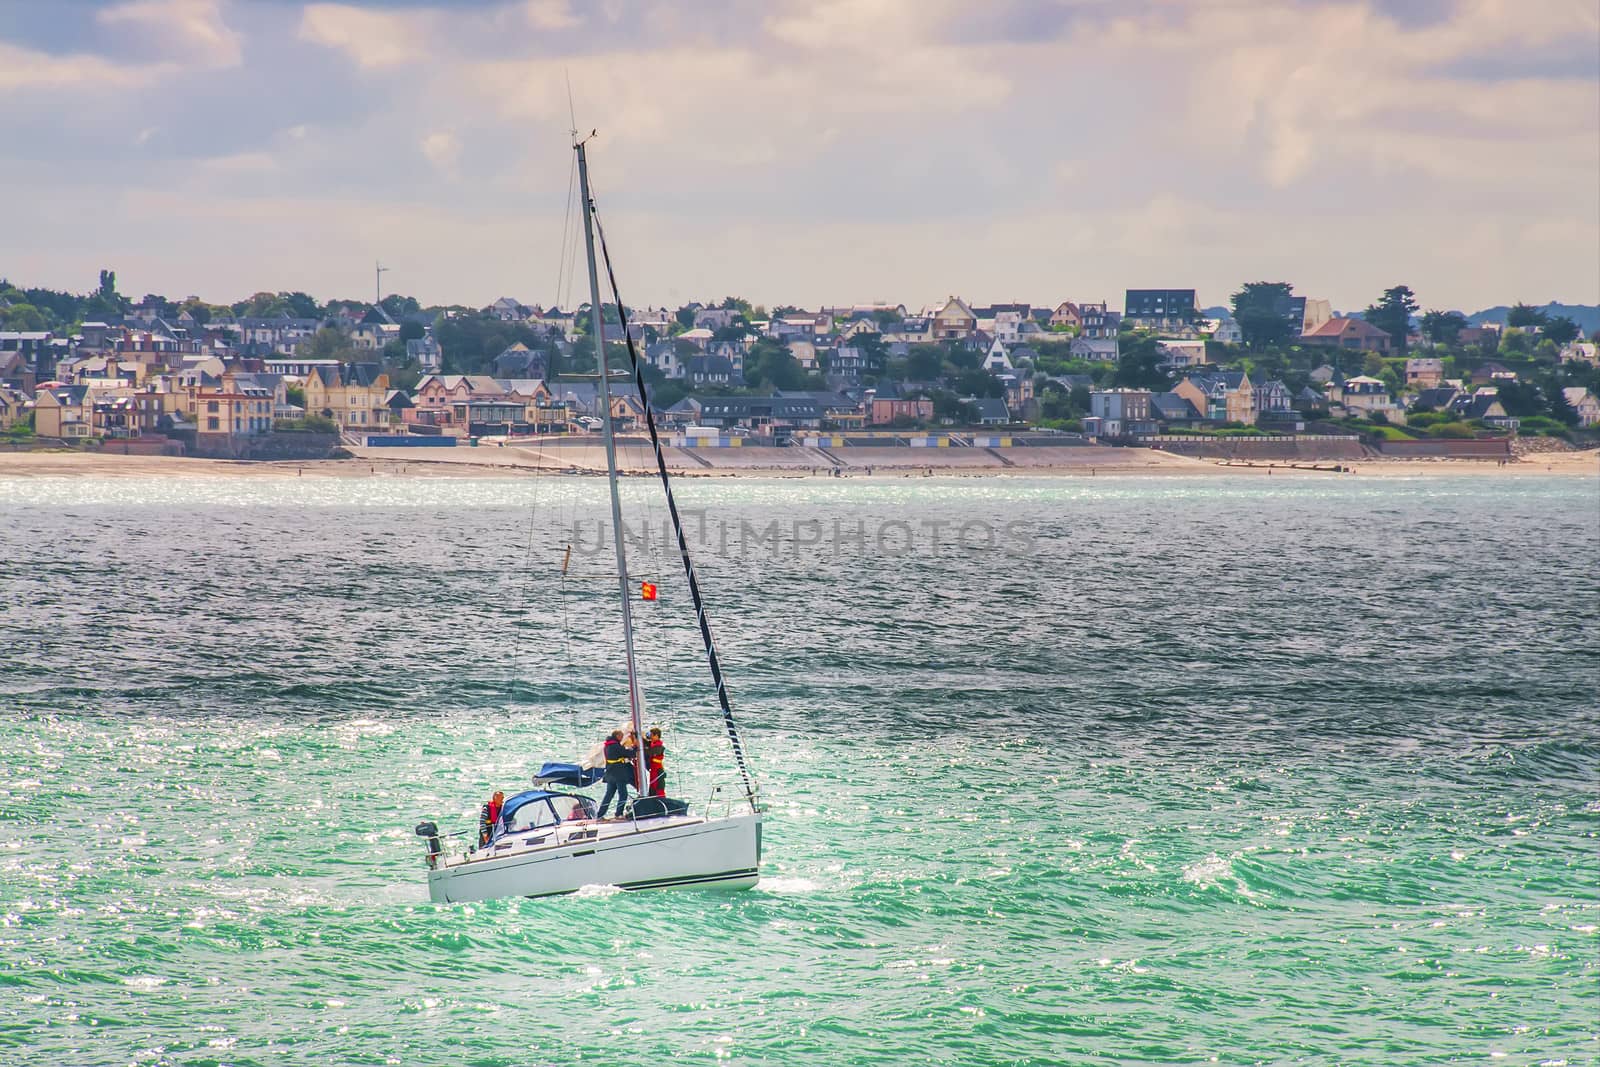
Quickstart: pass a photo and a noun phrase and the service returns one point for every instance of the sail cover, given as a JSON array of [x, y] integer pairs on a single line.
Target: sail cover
[[567, 774]]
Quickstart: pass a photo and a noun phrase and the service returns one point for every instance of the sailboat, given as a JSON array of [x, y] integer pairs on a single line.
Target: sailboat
[[544, 841]]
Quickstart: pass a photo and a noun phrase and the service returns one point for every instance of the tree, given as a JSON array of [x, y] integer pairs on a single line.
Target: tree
[[1139, 365], [326, 343], [108, 284], [1262, 311], [770, 363], [198, 310], [1443, 327], [1392, 313], [734, 331], [24, 317], [1524, 315], [412, 331], [737, 303], [685, 317], [1521, 398], [925, 363], [1561, 330], [1561, 409], [978, 383]]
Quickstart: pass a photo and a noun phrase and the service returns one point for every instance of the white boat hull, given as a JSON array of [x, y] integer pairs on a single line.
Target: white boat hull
[[721, 853]]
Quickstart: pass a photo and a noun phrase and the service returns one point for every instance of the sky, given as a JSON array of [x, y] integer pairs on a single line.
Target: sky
[[806, 151]]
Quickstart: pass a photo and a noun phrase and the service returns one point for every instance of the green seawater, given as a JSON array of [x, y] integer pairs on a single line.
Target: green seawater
[[1299, 770]]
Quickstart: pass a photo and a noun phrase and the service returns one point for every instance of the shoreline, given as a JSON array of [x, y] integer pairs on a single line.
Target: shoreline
[[1103, 462]]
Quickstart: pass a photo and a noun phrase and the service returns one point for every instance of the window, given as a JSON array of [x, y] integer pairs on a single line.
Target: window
[[531, 816], [213, 424], [211, 406]]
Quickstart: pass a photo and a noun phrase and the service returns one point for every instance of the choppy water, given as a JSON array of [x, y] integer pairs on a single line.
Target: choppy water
[[1178, 771]]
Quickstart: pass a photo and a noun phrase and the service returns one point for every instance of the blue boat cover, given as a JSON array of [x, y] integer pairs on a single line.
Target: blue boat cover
[[567, 774], [513, 803]]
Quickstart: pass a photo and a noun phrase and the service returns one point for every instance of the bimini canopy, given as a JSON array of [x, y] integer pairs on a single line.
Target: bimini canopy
[[512, 804]]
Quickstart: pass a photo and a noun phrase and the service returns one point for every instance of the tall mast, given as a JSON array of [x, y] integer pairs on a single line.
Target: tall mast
[[597, 331]]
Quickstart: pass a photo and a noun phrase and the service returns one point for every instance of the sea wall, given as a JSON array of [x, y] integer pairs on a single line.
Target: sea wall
[[270, 446], [1481, 448], [1308, 449]]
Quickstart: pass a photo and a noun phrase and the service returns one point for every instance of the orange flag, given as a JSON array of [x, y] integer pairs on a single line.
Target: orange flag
[[647, 590]]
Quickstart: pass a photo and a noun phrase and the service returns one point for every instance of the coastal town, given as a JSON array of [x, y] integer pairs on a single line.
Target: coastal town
[[280, 374]]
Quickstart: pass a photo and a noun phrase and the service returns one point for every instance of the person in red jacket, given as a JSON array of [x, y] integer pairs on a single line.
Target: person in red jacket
[[654, 761]]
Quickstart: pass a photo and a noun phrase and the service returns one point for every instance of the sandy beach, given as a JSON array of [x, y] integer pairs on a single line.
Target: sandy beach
[[1091, 461]]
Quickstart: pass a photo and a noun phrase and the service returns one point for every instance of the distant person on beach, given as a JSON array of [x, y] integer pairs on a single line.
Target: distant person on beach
[[619, 773], [655, 753]]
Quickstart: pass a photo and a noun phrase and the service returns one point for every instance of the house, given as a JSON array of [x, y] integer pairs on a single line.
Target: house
[[1424, 373], [911, 330], [1575, 352], [1019, 394], [886, 411], [762, 414], [1160, 309], [1228, 396], [1066, 314], [62, 411], [988, 410], [1173, 409], [997, 359], [1096, 320], [1485, 406], [1309, 400], [1313, 314], [1439, 398], [953, 321], [1099, 349], [1366, 396], [1225, 331], [1492, 372], [846, 366], [234, 404], [700, 371], [856, 327], [837, 409], [354, 396], [1584, 403], [14, 405], [663, 356], [700, 337], [1356, 335], [1119, 413], [279, 333], [1272, 397], [520, 361], [509, 309], [714, 319], [425, 353], [1177, 352]]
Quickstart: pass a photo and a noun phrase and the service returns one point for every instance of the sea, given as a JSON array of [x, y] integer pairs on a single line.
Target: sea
[[1136, 770]]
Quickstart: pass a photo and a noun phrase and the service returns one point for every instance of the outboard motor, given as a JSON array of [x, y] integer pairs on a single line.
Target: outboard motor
[[431, 832]]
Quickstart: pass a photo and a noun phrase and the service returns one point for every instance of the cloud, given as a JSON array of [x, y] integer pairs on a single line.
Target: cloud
[[22, 68], [801, 150], [550, 14], [373, 39], [189, 29], [443, 150]]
